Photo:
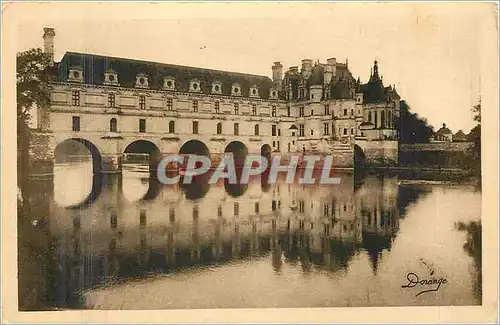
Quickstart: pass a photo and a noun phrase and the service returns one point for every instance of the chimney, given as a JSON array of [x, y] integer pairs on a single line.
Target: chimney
[[306, 67], [48, 43], [277, 75], [330, 70], [294, 69]]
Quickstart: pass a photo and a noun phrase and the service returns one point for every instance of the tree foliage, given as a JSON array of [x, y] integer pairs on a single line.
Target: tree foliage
[[412, 128], [32, 82], [32, 91]]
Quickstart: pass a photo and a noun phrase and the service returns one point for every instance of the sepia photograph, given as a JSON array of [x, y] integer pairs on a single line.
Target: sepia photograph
[[251, 156]]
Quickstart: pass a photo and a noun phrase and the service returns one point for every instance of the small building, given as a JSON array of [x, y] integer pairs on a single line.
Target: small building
[[443, 135], [459, 136]]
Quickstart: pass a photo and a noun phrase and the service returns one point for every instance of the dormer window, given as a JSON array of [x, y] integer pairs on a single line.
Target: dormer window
[[111, 78], [169, 83], [236, 90], [273, 94], [194, 85], [254, 92], [216, 87], [75, 74], [141, 81]]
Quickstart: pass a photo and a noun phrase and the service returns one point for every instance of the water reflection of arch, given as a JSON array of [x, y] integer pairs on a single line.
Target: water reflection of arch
[[97, 185], [154, 188], [69, 144], [238, 189], [359, 157], [197, 189]]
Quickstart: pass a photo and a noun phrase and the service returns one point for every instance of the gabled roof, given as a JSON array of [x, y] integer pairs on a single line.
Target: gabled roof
[[94, 67]]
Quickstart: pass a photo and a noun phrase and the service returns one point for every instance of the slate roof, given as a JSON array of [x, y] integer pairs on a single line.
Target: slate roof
[[94, 67], [341, 85]]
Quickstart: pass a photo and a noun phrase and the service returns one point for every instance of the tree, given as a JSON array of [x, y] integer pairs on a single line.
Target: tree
[[32, 92], [475, 137], [411, 128]]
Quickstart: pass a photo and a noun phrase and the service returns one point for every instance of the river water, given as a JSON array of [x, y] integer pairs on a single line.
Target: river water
[[128, 242]]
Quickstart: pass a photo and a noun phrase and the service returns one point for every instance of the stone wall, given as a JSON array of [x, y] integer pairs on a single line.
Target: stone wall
[[437, 154], [379, 152]]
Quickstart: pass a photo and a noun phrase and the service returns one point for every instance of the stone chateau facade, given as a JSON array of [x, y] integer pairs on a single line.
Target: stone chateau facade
[[115, 106]]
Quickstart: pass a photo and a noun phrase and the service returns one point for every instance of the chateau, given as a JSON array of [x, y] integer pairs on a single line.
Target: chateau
[[116, 105]]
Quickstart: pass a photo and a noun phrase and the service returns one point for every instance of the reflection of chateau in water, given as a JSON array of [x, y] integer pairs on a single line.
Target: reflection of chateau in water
[[175, 227]]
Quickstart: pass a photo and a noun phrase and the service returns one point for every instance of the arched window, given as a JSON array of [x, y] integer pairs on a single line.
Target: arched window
[[219, 128], [256, 129], [171, 127], [370, 117], [376, 119], [382, 119], [113, 127], [389, 119]]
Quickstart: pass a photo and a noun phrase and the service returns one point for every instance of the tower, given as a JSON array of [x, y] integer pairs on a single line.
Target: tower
[[277, 75], [48, 43]]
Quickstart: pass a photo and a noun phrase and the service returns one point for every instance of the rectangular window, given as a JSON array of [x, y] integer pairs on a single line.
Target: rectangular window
[[142, 102], [236, 129], [142, 217], [170, 104], [301, 206], [171, 214], [327, 109], [326, 209], [345, 111], [196, 213], [76, 123], [288, 111], [301, 111], [217, 107], [111, 100], [219, 211], [75, 96], [273, 130], [279, 132], [352, 131], [326, 129], [273, 205], [273, 111], [236, 108], [236, 208], [195, 106], [345, 131], [195, 127], [312, 112], [301, 130], [142, 125], [312, 132], [302, 93], [254, 109], [257, 207]]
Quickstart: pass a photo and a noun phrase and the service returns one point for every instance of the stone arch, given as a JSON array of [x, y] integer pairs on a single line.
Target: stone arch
[[145, 147], [359, 157], [194, 147], [238, 149], [91, 147]]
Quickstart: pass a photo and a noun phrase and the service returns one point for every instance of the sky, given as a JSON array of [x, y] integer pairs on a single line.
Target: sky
[[429, 51]]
